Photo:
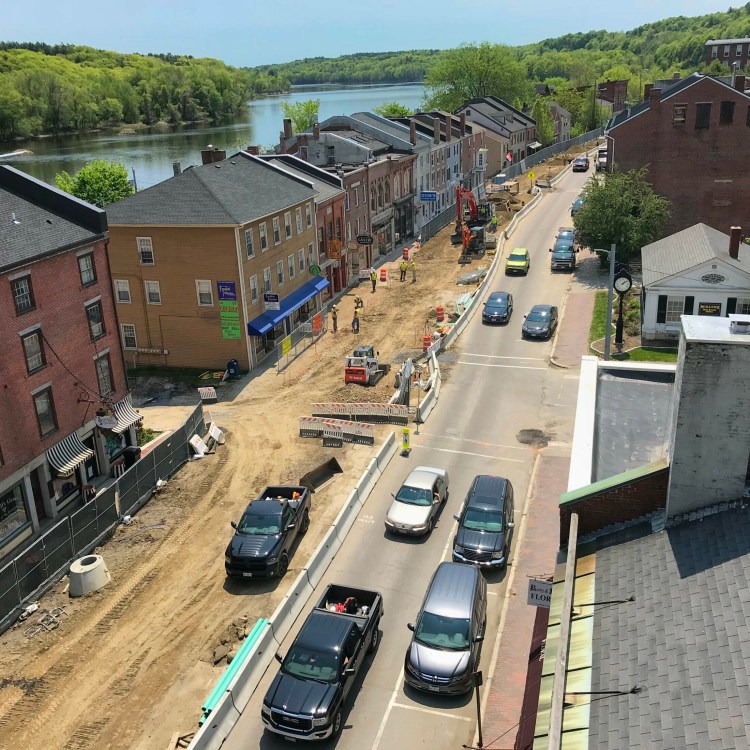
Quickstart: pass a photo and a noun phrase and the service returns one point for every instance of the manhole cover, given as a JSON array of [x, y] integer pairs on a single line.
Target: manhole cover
[[535, 438]]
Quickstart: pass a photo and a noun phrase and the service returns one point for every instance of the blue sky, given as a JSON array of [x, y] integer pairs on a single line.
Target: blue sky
[[258, 33]]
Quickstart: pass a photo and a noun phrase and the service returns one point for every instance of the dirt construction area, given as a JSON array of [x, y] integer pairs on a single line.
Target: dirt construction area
[[131, 664]]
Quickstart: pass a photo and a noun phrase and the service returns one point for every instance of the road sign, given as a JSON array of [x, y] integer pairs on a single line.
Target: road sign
[[405, 441], [364, 239], [428, 195], [531, 175], [271, 302], [314, 270], [540, 593]]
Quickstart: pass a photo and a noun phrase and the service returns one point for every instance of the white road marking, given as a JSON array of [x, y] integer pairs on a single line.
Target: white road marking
[[467, 453], [507, 367], [478, 442], [391, 704], [495, 356], [441, 714]]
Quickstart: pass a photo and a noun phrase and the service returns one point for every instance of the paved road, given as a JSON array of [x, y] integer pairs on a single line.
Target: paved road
[[496, 387]]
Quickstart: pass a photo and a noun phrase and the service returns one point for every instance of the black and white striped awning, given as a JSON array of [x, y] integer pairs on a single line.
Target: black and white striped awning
[[126, 415], [68, 454]]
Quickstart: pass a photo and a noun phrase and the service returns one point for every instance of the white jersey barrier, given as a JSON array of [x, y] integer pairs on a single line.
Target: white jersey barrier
[[218, 725], [393, 413], [351, 432]]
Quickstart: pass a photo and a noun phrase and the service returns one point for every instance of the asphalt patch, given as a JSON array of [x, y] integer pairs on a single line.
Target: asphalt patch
[[534, 438]]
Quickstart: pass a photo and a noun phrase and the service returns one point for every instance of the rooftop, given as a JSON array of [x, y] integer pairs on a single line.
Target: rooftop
[[705, 329], [728, 41], [363, 139], [325, 184], [37, 219], [235, 191]]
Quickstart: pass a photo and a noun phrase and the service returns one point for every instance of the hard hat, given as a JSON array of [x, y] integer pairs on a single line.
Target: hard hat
[[333, 307]]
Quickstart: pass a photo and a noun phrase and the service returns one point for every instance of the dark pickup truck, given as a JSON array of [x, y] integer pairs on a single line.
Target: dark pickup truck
[[306, 698], [268, 529]]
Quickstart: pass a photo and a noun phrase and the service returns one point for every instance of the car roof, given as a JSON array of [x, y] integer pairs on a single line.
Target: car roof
[[423, 477], [542, 308], [487, 491], [581, 158], [266, 507], [580, 199], [498, 296], [335, 630], [563, 243], [566, 230], [519, 250], [451, 591]]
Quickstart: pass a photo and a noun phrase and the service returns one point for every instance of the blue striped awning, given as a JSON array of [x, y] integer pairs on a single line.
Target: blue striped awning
[[271, 318], [68, 454]]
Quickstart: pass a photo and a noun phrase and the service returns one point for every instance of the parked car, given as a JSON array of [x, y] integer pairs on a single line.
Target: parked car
[[264, 537], [498, 308], [566, 233], [563, 254], [485, 523], [581, 164], [415, 506], [446, 646], [577, 205], [540, 323], [518, 261], [306, 698]]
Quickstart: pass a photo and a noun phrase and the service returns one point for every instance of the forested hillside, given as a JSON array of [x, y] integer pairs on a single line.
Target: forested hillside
[[671, 45], [52, 89]]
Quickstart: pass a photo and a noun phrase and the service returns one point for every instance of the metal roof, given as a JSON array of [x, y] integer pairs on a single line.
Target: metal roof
[[727, 41]]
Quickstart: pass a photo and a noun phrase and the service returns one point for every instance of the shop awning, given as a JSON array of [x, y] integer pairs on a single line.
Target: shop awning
[[270, 318], [69, 453], [535, 144], [126, 415]]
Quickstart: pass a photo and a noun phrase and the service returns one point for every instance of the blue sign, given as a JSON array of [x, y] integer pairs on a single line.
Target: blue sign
[[428, 195], [227, 290]]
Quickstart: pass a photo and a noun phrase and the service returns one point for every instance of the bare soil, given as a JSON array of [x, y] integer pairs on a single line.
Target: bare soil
[[132, 663]]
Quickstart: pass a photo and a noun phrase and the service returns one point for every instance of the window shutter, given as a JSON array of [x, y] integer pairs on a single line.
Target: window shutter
[[731, 305], [689, 302], [661, 309]]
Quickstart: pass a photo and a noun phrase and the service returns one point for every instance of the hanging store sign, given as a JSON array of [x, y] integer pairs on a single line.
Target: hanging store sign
[[540, 593]]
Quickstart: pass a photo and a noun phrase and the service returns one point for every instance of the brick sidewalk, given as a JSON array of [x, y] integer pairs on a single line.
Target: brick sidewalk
[[572, 337], [536, 558]]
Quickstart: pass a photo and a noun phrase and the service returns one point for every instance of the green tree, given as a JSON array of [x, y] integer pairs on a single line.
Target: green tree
[[393, 109], [621, 208], [302, 114], [100, 182], [545, 125], [474, 71]]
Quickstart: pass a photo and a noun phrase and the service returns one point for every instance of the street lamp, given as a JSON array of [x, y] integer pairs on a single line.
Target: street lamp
[[622, 285], [608, 329]]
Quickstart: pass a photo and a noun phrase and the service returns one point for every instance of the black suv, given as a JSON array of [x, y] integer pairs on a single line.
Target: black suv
[[485, 523]]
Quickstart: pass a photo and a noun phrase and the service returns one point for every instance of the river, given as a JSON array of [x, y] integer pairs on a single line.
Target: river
[[151, 153]]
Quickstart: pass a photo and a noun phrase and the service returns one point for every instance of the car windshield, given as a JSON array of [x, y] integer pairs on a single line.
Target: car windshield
[[478, 519], [562, 249], [449, 633], [538, 316], [302, 661], [414, 496], [517, 257], [260, 523], [497, 304]]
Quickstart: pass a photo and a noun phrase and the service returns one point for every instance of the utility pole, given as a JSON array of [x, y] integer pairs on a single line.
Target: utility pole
[[610, 293]]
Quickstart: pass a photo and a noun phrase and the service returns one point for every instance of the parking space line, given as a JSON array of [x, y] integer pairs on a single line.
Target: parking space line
[[496, 356], [441, 714], [391, 704], [477, 442], [507, 367], [467, 453]]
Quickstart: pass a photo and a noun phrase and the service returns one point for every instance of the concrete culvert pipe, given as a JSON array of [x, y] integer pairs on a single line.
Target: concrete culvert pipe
[[88, 574]]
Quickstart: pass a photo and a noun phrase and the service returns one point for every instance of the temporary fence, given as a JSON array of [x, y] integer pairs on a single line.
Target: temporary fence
[[378, 413], [48, 556], [351, 432], [300, 339]]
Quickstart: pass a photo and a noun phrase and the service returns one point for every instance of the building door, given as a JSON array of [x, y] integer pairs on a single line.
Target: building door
[[91, 465], [36, 488]]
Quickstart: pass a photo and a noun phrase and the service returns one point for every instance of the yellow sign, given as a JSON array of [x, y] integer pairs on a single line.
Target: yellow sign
[[531, 175], [286, 345], [405, 439]]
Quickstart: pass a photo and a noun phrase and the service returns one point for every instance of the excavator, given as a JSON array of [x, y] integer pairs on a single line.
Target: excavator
[[470, 223]]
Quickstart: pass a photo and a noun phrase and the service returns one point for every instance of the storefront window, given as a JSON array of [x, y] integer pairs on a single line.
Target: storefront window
[[12, 512], [114, 443]]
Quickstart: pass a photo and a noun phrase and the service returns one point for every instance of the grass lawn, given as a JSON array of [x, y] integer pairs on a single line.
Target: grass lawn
[[648, 354], [599, 320]]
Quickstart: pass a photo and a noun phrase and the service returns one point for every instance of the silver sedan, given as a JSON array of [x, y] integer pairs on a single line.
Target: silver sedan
[[415, 506]]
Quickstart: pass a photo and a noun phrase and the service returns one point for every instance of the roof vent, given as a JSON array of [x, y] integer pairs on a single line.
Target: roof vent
[[740, 326], [14, 219], [49, 221]]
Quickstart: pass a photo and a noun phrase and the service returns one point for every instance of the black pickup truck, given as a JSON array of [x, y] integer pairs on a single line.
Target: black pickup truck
[[306, 698], [268, 529]]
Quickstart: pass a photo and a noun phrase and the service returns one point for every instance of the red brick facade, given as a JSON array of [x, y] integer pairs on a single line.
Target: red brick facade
[[703, 171], [68, 350], [728, 52], [619, 504]]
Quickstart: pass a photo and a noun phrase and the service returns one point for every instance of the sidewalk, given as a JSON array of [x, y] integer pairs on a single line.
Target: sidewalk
[[572, 338]]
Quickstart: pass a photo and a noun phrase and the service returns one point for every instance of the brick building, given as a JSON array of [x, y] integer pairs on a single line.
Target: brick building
[[192, 257], [693, 136], [728, 52], [61, 368]]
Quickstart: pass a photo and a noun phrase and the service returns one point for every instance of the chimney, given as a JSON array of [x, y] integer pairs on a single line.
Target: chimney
[[735, 236], [738, 81], [316, 131], [435, 130], [211, 154], [448, 128], [654, 97], [176, 168], [254, 150], [413, 133], [675, 76], [287, 128], [463, 123]]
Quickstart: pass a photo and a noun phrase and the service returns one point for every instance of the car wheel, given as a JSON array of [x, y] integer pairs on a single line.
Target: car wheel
[[283, 565], [305, 523], [375, 642], [338, 723]]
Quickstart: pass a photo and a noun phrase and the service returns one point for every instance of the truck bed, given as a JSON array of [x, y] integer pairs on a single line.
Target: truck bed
[[368, 602], [286, 491]]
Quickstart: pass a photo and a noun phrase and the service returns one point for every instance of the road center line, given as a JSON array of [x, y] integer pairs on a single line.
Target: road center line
[[441, 714], [467, 453], [496, 356], [507, 367], [391, 704], [477, 442]]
